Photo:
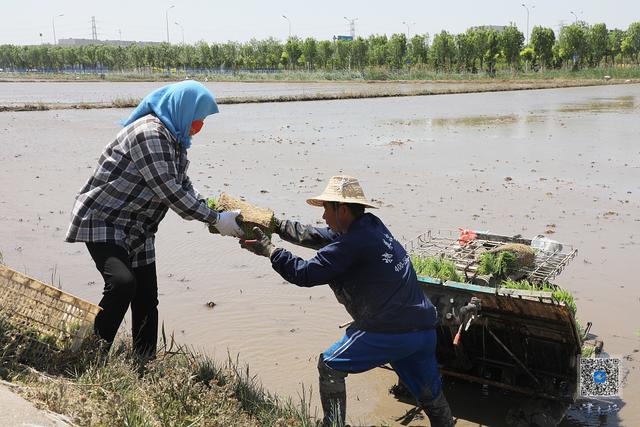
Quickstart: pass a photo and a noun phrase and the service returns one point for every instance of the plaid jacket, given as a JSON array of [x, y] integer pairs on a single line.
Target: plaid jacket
[[139, 177]]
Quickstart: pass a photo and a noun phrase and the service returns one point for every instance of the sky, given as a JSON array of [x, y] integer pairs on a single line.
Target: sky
[[32, 21]]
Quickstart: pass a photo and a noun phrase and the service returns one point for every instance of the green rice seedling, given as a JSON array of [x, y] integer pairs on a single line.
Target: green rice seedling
[[497, 264], [487, 264], [505, 263], [528, 286], [564, 296], [436, 267], [588, 350], [557, 293]]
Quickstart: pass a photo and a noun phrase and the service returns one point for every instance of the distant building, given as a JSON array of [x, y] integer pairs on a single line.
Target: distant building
[[496, 28], [87, 42], [348, 38]]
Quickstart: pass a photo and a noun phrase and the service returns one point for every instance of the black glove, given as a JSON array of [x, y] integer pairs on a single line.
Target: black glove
[[261, 245], [278, 224]]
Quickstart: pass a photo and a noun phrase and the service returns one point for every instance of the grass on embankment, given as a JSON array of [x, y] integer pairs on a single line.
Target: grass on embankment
[[416, 73], [178, 388]]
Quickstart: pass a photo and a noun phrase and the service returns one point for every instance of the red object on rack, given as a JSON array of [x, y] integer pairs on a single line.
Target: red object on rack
[[466, 236]]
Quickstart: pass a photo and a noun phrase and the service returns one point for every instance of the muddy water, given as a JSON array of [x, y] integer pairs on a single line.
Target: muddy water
[[563, 162]]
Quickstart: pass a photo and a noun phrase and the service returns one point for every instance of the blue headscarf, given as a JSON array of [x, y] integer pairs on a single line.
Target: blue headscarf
[[177, 105]]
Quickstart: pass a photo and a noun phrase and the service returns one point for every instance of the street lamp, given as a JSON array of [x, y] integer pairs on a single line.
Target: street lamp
[[574, 14], [527, 9], [289, 21], [53, 24], [352, 26], [182, 28], [408, 24], [166, 17]]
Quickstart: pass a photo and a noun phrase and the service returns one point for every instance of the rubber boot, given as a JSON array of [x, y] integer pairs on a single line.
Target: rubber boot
[[438, 411], [333, 395]]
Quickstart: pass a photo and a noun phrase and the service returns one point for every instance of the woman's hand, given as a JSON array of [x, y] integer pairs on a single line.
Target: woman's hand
[[227, 225]]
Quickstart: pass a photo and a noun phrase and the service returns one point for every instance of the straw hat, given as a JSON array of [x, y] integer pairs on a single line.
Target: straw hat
[[342, 189]]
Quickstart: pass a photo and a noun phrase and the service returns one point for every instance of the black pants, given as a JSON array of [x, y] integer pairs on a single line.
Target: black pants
[[124, 286]]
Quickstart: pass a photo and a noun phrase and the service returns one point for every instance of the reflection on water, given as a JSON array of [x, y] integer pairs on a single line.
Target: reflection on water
[[491, 406], [476, 120], [597, 105], [470, 121]]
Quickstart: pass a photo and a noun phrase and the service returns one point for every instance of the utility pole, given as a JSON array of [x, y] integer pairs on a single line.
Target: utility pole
[[94, 31], [574, 14], [527, 9], [166, 17], [289, 21], [408, 24], [352, 26], [53, 24], [182, 28]]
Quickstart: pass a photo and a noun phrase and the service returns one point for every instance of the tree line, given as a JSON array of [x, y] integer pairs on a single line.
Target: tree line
[[479, 49]]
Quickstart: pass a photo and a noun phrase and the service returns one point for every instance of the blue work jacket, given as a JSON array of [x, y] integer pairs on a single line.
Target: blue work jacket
[[368, 270]]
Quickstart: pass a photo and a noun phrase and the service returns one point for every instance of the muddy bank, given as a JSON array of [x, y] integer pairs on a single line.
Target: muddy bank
[[572, 160]]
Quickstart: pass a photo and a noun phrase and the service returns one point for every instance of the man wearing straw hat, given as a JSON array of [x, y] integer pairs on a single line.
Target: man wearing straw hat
[[372, 276]]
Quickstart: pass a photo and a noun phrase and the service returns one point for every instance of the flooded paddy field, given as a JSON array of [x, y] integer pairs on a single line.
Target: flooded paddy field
[[560, 162]]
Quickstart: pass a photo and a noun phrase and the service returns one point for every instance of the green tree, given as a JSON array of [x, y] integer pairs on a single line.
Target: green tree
[[342, 54], [511, 42], [310, 52], [230, 55], [597, 40], [528, 56], [542, 41], [359, 50], [293, 49], [396, 51], [479, 37], [418, 49], [631, 42], [443, 51], [377, 50], [491, 52], [573, 44], [465, 48], [614, 44], [325, 53]]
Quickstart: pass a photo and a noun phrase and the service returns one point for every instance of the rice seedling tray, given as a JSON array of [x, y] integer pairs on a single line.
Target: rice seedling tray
[[465, 250], [42, 319]]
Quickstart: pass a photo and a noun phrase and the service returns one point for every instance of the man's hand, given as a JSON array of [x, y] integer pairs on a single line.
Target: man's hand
[[278, 223], [261, 245], [227, 225]]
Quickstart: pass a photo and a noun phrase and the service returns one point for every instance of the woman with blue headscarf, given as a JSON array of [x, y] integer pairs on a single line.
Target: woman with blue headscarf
[[140, 176]]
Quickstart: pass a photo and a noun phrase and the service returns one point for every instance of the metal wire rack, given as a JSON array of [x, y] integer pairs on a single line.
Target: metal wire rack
[[549, 261]]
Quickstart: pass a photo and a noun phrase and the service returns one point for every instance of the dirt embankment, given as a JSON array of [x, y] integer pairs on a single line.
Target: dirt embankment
[[442, 88]]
